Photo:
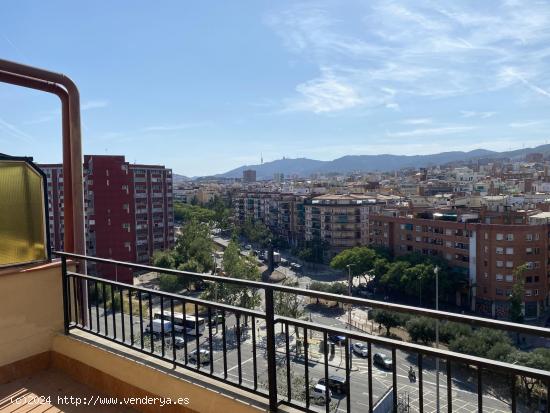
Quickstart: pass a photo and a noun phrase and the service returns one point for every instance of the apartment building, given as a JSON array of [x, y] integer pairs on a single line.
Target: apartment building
[[129, 210], [342, 221], [485, 247]]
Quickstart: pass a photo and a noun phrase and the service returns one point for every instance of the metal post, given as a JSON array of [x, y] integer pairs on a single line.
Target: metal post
[[436, 272], [271, 357], [65, 280], [348, 341]]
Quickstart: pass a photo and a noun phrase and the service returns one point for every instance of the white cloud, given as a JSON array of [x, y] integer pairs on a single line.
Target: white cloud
[[526, 124], [417, 121], [15, 132], [326, 93], [474, 114], [94, 104], [444, 130], [420, 49]]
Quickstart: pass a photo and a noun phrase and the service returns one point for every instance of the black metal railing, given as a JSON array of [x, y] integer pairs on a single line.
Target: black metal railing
[[253, 355]]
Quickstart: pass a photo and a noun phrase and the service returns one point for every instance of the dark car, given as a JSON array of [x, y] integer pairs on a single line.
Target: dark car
[[382, 360], [336, 384], [336, 339]]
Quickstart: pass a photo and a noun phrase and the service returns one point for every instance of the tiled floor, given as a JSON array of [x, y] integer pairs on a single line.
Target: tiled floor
[[51, 391]]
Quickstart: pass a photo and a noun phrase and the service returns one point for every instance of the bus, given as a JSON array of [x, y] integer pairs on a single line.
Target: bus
[[190, 324]]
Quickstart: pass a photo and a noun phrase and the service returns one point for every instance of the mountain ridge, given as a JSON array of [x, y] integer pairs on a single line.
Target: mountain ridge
[[304, 167]]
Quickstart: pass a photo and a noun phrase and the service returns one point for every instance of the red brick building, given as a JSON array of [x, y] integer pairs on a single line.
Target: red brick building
[[129, 210], [485, 247]]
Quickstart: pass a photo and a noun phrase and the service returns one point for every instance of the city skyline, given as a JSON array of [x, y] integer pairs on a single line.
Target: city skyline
[[294, 79]]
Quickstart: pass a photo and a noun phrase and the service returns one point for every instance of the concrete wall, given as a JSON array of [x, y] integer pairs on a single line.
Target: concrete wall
[[31, 311]]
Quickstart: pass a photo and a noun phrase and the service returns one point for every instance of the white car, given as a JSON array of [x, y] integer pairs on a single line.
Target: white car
[[204, 356], [361, 349], [318, 394]]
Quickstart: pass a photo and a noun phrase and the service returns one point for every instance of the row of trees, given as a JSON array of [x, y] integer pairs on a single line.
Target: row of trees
[[409, 276], [216, 212]]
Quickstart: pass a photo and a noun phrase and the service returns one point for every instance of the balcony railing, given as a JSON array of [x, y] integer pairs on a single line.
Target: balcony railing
[[256, 354]]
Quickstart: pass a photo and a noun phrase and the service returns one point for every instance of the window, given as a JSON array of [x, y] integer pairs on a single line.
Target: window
[[486, 249], [500, 250], [509, 251], [529, 251], [418, 228], [528, 280], [536, 292], [509, 237], [500, 277], [500, 237], [486, 275], [486, 235], [529, 237], [537, 236], [500, 264], [536, 264], [509, 264], [509, 278], [528, 293], [499, 291]]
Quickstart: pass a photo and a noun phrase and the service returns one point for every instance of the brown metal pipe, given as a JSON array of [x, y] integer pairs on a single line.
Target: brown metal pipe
[[60, 92], [75, 147]]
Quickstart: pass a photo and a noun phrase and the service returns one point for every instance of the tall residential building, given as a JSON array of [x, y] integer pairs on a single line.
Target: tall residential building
[[249, 175], [129, 209], [485, 247]]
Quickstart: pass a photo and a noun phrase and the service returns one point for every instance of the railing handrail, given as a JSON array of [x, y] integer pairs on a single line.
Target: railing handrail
[[179, 297], [438, 314], [350, 334]]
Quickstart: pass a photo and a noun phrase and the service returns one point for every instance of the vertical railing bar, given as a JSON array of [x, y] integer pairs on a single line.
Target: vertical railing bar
[[287, 348], [420, 384], [210, 348], [325, 351], [238, 337], [513, 388], [224, 346], [270, 342], [162, 326], [113, 309], [254, 361], [89, 302], [449, 387], [479, 389], [547, 396], [75, 293], [173, 329], [369, 375], [131, 310], [394, 376], [348, 355], [151, 335], [96, 288], [140, 303], [104, 288], [306, 365], [122, 314], [66, 297], [184, 316], [197, 337]]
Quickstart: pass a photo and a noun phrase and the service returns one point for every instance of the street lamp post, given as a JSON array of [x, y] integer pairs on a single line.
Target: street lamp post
[[436, 272], [350, 281]]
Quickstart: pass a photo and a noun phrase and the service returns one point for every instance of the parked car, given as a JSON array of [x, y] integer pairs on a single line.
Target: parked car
[[179, 342], [382, 360], [336, 384], [216, 319], [360, 349], [204, 356], [319, 393]]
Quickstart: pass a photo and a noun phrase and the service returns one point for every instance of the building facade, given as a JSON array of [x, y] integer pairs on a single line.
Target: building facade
[[484, 247], [128, 210]]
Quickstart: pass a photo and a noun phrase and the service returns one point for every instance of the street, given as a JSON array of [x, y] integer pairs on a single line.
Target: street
[[464, 390]]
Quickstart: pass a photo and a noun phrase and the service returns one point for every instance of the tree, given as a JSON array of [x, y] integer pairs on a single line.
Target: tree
[[518, 294], [195, 242], [164, 259], [421, 329], [388, 319], [481, 342], [361, 260], [538, 359], [188, 212], [288, 305], [256, 232]]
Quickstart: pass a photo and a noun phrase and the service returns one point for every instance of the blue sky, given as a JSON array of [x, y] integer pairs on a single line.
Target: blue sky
[[204, 87]]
